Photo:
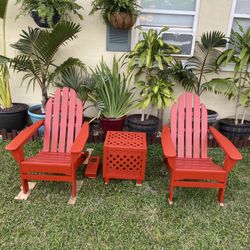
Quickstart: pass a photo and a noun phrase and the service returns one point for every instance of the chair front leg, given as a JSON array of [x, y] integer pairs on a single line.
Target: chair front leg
[[25, 185], [171, 188]]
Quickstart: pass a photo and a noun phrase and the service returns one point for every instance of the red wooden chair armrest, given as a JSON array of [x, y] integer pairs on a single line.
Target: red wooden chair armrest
[[167, 143], [230, 150], [24, 136], [81, 139]]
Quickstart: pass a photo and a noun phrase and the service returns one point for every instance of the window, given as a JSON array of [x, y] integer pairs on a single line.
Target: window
[[180, 16], [240, 14]]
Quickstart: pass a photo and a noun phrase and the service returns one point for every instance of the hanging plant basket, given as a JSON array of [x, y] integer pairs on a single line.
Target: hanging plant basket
[[122, 20], [44, 23]]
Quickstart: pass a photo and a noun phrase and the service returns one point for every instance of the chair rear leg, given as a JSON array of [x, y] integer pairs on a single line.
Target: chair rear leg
[[221, 195], [73, 186], [25, 186], [171, 190]]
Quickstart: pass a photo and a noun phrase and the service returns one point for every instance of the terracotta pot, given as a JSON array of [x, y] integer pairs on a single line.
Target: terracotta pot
[[112, 124], [122, 20]]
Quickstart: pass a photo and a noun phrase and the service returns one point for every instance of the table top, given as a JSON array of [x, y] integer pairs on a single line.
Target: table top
[[124, 139]]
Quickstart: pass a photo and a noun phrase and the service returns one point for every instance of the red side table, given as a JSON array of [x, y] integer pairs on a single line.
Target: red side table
[[124, 156]]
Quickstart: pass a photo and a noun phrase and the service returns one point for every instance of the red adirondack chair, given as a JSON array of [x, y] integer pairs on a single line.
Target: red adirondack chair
[[64, 140], [185, 149]]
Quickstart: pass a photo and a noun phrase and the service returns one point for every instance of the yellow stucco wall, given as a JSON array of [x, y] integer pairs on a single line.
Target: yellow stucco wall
[[90, 46]]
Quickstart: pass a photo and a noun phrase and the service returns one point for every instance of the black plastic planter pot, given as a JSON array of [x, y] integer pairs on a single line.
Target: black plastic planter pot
[[44, 23], [211, 117], [14, 118], [231, 131], [148, 126]]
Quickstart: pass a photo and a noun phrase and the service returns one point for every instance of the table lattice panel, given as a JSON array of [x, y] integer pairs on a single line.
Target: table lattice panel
[[125, 139], [124, 164]]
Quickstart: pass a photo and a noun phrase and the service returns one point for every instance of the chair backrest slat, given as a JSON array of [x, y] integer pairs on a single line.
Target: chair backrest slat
[[180, 124], [71, 120], [189, 127], [173, 125], [47, 126], [78, 117], [63, 121], [197, 127], [203, 131], [55, 121]]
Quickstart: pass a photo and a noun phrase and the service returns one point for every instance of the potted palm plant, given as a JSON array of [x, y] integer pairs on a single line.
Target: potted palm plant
[[47, 13], [12, 115], [36, 59], [237, 87], [111, 95], [147, 62], [120, 14], [193, 73]]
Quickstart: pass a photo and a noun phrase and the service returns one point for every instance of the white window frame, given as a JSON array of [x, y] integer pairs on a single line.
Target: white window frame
[[191, 31], [233, 15]]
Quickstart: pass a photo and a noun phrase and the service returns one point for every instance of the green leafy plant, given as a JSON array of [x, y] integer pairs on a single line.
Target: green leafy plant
[[5, 95], [112, 96], [79, 80], [107, 7], [238, 87], [192, 74], [147, 62], [36, 55], [48, 8]]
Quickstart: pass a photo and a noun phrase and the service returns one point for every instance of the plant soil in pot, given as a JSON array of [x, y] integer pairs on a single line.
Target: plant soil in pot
[[109, 124], [148, 126], [122, 20], [228, 128], [35, 115], [43, 23], [14, 118]]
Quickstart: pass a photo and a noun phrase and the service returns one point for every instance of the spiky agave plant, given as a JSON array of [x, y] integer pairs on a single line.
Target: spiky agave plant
[[5, 95], [112, 96]]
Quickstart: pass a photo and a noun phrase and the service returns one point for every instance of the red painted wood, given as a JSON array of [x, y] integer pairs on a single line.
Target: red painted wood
[[62, 178], [124, 156], [63, 122], [173, 126], [63, 117], [193, 184], [231, 151], [197, 127], [79, 117], [189, 127], [55, 121], [181, 121], [71, 120], [81, 139], [47, 127], [204, 130], [24, 136], [167, 143], [92, 167], [192, 167]]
